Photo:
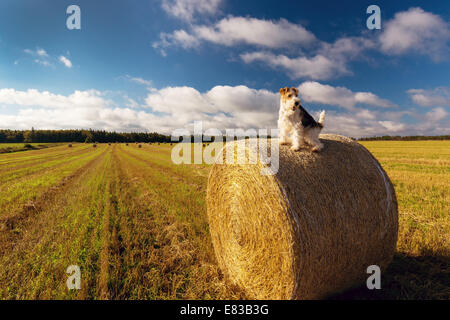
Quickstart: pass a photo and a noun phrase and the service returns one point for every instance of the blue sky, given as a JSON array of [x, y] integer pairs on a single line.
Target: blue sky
[[146, 65]]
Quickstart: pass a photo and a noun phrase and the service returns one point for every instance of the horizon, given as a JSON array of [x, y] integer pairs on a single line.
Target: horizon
[[161, 135], [157, 66]]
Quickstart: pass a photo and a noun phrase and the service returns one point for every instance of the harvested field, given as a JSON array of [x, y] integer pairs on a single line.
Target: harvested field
[[136, 224]]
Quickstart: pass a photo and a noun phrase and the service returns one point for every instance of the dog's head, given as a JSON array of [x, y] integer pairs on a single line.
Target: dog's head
[[289, 99]]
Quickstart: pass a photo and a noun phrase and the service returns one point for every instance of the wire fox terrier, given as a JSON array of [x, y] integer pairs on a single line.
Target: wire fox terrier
[[296, 125]]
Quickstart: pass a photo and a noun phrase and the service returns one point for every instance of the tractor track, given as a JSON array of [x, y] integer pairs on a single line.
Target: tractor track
[[111, 258]]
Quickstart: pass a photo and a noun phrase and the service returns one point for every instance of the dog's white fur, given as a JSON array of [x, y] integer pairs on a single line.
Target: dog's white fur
[[296, 126]]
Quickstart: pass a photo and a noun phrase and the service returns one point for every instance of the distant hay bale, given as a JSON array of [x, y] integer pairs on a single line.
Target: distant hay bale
[[69, 145], [126, 144], [94, 145], [139, 145], [310, 230]]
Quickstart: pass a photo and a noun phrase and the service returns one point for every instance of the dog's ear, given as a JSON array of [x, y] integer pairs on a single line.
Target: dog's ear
[[295, 90], [284, 90]]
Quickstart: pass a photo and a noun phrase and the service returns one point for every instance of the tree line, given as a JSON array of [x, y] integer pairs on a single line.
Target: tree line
[[102, 136], [87, 136]]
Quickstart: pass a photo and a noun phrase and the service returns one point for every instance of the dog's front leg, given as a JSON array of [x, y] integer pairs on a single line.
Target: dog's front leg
[[297, 139], [283, 135]]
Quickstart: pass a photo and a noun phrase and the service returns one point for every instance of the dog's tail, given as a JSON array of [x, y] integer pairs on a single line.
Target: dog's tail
[[321, 121]]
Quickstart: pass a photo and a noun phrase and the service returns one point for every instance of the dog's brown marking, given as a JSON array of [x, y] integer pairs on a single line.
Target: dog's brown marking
[[284, 92], [287, 93]]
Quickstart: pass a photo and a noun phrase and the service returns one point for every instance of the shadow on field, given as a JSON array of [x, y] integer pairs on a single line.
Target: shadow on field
[[408, 277]]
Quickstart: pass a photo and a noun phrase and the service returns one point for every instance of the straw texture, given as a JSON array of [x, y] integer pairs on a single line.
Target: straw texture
[[308, 231]]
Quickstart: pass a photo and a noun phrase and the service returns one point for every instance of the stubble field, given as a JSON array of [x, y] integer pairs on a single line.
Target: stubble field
[[136, 224]]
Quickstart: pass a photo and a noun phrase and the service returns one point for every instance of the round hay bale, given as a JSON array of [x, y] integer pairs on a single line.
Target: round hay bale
[[139, 145], [69, 145], [94, 145], [310, 230]]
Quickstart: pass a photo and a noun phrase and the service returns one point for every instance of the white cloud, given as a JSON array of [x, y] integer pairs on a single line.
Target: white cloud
[[418, 31], [171, 108], [242, 98], [220, 107], [45, 99], [41, 52], [232, 31], [346, 48], [45, 63], [178, 37], [40, 56], [384, 123], [324, 60], [138, 80], [413, 30], [266, 33], [317, 67], [37, 52], [179, 100], [106, 118], [437, 114], [65, 61], [187, 9], [329, 61], [426, 98], [131, 103], [366, 114], [316, 92], [373, 100], [392, 126]]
